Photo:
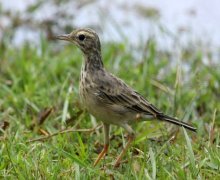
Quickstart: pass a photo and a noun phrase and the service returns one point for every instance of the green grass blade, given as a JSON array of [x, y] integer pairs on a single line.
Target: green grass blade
[[190, 150], [153, 163]]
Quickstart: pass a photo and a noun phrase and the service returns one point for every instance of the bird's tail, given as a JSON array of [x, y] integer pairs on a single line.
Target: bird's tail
[[176, 122]]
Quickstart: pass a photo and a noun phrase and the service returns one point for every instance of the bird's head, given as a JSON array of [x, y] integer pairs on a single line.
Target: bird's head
[[86, 39]]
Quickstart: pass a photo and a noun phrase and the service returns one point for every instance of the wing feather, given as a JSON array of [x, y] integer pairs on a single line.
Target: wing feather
[[118, 93]]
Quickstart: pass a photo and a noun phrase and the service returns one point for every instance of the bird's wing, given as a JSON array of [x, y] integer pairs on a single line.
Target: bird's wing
[[113, 91]]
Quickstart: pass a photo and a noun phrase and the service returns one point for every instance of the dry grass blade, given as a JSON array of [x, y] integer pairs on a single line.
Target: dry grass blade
[[43, 115], [4, 125], [212, 130], [162, 87]]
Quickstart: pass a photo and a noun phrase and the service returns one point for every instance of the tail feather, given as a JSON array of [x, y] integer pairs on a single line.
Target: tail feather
[[176, 122]]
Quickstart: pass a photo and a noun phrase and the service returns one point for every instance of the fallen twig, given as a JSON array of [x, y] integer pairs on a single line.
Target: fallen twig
[[62, 132]]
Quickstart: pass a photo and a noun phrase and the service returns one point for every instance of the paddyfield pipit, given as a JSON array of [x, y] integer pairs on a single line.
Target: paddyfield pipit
[[107, 97]]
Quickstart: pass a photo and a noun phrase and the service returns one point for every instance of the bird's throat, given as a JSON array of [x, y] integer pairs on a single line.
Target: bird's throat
[[93, 62]]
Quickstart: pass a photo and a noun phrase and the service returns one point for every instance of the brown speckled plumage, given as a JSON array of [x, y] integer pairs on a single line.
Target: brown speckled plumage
[[107, 97]]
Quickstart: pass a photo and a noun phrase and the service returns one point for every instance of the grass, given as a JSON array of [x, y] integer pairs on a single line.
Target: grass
[[39, 95]]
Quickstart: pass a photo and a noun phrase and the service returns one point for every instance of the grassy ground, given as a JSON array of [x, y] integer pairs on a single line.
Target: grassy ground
[[39, 96]]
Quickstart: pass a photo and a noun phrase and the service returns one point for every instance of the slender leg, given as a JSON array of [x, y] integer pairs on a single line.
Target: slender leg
[[130, 140], [106, 143]]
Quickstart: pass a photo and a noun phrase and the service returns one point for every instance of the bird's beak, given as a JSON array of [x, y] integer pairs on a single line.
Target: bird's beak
[[65, 37]]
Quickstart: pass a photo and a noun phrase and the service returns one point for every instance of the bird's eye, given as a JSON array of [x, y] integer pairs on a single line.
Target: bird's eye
[[81, 37]]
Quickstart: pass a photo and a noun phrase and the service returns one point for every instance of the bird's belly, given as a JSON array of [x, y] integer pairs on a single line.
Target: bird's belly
[[109, 114]]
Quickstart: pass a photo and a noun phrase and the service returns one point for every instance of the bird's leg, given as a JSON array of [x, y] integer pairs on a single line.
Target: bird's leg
[[131, 137], [106, 143]]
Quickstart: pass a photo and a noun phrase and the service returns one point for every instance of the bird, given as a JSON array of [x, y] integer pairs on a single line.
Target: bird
[[107, 97]]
